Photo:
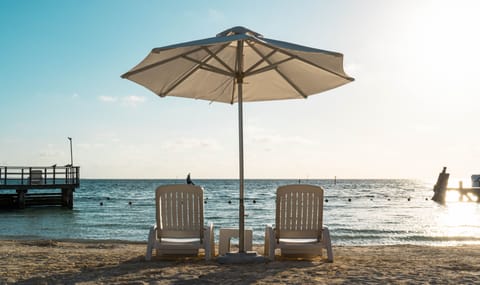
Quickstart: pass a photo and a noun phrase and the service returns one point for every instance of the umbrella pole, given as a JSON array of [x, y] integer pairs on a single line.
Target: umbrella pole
[[241, 233], [241, 256], [241, 210]]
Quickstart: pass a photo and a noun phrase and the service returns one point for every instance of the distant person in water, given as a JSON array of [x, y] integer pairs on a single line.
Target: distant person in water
[[189, 180]]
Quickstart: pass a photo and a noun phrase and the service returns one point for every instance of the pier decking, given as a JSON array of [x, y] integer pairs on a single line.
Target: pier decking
[[21, 187]]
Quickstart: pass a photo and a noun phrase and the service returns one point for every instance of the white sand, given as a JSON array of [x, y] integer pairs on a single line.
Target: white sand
[[65, 262]]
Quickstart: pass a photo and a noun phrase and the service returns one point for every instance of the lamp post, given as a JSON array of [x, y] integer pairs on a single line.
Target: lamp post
[[71, 152]]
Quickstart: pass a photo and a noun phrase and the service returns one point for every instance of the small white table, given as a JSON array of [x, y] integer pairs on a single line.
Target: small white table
[[227, 233]]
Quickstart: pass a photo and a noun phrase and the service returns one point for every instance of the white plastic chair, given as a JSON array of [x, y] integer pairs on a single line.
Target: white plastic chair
[[179, 228], [299, 226]]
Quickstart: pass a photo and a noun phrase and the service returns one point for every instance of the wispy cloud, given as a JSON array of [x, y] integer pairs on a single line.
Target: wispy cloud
[[108, 99], [262, 136], [131, 100], [190, 144], [278, 139]]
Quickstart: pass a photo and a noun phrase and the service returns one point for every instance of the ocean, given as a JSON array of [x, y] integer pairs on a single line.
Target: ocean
[[357, 212]]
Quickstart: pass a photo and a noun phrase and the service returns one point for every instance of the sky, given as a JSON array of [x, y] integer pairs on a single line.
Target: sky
[[413, 108]]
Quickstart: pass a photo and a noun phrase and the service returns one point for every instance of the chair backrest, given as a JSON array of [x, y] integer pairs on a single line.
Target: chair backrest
[[36, 177], [179, 211], [299, 211]]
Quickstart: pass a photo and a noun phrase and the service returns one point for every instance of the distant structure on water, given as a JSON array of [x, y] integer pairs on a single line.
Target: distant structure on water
[[441, 187], [33, 186]]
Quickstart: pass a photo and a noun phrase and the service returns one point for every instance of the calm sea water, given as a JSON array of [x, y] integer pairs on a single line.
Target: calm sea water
[[358, 212]]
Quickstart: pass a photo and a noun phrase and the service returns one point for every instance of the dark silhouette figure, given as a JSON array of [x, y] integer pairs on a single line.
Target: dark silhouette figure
[[189, 180]]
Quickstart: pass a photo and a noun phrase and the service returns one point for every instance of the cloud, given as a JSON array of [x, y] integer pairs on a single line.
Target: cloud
[[278, 139], [50, 153], [90, 146], [133, 100], [190, 144], [258, 135], [108, 99]]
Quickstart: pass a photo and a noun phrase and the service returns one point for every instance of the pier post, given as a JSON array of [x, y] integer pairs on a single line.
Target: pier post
[[21, 199], [67, 197], [440, 187]]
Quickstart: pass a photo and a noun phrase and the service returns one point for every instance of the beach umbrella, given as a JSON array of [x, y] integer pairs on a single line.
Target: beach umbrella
[[239, 65]]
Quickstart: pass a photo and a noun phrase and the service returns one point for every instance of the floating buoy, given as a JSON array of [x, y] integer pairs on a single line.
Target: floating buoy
[[254, 201], [205, 202], [326, 200], [388, 199], [229, 202], [349, 200], [130, 203], [408, 199], [101, 203]]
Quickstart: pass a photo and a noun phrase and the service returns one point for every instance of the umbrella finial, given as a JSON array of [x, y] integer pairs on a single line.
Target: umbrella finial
[[238, 30]]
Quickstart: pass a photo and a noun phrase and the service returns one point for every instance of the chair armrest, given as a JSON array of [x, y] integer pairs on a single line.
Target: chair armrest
[[209, 242], [152, 238], [328, 243]]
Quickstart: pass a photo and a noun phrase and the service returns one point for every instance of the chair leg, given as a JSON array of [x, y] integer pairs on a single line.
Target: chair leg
[[212, 242], [328, 244], [151, 242], [270, 243], [266, 246]]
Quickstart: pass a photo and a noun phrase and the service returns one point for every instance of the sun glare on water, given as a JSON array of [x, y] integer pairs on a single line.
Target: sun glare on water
[[460, 213], [458, 220]]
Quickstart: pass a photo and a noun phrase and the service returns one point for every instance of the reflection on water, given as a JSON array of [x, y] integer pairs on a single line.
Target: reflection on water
[[358, 212], [458, 220]]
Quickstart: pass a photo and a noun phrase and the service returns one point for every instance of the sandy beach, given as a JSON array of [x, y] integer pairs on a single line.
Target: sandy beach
[[88, 262]]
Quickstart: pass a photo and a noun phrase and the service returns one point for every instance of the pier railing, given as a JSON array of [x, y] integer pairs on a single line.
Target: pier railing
[[38, 177]]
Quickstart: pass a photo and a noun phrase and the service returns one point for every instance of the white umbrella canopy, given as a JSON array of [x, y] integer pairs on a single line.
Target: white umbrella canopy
[[236, 66], [208, 69]]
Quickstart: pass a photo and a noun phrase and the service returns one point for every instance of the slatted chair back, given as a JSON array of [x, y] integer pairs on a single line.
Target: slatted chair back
[[299, 211], [36, 177], [179, 211]]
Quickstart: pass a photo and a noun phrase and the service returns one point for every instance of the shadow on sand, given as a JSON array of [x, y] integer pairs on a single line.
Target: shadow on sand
[[181, 271]]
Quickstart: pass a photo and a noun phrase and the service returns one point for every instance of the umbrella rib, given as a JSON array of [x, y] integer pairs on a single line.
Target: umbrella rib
[[225, 84], [291, 83], [311, 63], [274, 67], [186, 75], [208, 67], [233, 92], [126, 75], [269, 67], [201, 64], [263, 58], [180, 80], [218, 59]]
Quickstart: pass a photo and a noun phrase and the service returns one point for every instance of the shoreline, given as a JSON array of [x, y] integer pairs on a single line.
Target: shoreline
[[119, 262]]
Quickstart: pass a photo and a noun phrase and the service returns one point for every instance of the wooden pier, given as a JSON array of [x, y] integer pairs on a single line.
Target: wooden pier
[[21, 187], [440, 190]]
